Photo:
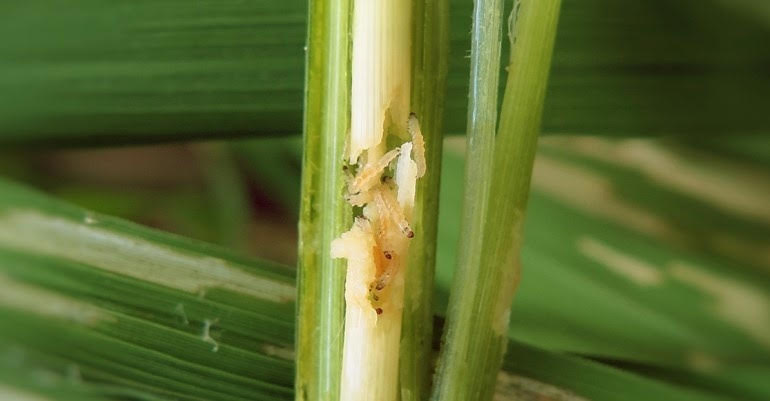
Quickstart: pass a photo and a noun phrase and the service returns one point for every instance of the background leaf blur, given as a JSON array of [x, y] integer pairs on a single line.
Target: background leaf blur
[[104, 72]]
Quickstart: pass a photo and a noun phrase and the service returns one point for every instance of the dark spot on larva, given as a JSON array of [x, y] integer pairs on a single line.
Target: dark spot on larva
[[385, 178], [379, 311], [344, 168], [410, 234], [380, 285], [375, 297], [388, 255]]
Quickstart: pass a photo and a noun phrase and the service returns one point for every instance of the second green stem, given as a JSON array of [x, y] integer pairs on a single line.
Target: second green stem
[[497, 187]]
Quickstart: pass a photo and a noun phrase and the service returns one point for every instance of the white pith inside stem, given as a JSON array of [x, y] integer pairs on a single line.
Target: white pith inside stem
[[377, 245], [381, 67]]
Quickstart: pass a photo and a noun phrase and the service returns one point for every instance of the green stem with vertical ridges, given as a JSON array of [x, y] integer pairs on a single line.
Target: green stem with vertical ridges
[[497, 187], [430, 53], [324, 213]]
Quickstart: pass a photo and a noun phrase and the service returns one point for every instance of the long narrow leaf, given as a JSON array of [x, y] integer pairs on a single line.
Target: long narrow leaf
[[106, 72], [132, 306], [74, 327]]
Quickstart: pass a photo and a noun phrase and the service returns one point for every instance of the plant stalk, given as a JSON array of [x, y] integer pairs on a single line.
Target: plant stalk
[[377, 245], [379, 104], [430, 59], [496, 193], [323, 211]]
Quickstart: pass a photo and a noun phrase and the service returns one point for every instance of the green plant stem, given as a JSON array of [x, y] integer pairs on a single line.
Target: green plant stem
[[323, 211], [486, 43], [495, 201], [429, 71]]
